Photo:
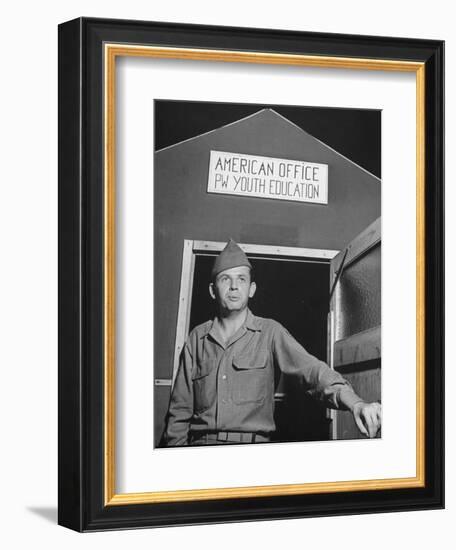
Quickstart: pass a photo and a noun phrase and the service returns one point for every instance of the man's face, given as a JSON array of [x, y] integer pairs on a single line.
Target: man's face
[[233, 288]]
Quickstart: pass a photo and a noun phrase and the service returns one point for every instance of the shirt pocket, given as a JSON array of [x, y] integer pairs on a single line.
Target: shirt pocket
[[202, 385], [250, 379]]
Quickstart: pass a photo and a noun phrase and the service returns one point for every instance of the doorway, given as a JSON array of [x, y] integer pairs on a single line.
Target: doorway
[[292, 288]]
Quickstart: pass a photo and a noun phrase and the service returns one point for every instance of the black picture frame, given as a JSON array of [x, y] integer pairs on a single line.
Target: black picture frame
[[82, 473]]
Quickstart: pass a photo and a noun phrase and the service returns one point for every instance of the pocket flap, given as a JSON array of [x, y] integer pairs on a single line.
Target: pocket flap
[[244, 362], [203, 369]]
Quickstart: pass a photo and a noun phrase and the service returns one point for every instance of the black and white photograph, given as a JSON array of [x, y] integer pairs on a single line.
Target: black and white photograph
[[267, 281], [223, 279]]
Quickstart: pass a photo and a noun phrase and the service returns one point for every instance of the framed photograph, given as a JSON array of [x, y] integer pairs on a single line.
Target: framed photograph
[[250, 274]]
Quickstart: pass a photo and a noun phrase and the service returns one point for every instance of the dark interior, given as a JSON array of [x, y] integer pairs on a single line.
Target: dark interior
[[295, 293]]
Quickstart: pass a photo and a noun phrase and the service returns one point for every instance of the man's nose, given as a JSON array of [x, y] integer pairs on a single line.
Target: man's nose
[[234, 284]]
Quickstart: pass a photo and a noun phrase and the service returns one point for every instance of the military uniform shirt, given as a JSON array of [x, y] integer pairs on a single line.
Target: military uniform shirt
[[230, 386]]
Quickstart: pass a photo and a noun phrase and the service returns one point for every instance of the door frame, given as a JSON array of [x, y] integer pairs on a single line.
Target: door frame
[[192, 248]]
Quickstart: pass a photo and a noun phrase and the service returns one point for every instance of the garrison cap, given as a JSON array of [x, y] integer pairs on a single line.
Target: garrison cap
[[231, 256]]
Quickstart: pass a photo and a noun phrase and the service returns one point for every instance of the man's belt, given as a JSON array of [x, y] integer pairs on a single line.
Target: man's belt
[[229, 437]]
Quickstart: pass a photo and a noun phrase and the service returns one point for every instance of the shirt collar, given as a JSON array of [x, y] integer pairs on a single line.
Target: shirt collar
[[251, 323]]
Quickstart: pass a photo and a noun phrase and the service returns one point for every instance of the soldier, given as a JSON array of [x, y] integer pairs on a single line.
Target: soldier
[[224, 388]]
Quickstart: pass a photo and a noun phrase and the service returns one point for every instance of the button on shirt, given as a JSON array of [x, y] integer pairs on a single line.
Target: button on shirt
[[229, 386]]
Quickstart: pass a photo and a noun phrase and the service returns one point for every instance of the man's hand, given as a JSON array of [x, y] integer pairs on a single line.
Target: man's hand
[[368, 417]]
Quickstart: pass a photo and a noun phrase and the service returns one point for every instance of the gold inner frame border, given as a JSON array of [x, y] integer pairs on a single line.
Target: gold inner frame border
[[111, 53]]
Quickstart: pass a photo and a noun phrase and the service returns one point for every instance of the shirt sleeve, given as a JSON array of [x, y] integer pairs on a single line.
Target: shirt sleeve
[[320, 381], [180, 409]]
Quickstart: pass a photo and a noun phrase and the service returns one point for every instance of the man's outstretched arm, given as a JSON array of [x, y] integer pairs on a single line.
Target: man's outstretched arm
[[324, 383]]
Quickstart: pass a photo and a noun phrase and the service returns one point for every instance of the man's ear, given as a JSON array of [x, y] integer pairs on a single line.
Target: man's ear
[[252, 289], [212, 291]]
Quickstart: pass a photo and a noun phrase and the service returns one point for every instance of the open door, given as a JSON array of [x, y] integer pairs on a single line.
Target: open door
[[354, 342]]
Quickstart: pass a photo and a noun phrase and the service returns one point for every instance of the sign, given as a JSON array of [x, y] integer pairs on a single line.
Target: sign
[[267, 177]]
